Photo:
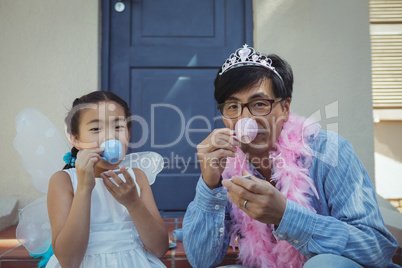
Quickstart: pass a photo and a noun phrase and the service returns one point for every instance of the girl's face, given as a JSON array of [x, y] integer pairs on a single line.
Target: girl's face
[[101, 122]]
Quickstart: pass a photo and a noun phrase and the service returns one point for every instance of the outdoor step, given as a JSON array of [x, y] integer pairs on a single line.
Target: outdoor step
[[13, 255]]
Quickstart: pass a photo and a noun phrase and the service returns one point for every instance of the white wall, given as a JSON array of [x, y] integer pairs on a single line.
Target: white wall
[[388, 158], [327, 43], [48, 56]]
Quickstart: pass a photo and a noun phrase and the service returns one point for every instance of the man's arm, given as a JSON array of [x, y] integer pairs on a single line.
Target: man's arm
[[205, 236], [351, 224]]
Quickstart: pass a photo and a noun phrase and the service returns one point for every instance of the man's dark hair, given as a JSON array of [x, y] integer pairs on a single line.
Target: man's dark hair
[[245, 77]]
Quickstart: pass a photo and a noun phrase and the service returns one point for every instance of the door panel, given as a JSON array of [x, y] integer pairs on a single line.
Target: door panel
[[170, 18], [162, 57], [174, 100]]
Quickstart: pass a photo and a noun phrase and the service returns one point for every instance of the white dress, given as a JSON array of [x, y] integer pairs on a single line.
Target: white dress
[[113, 239]]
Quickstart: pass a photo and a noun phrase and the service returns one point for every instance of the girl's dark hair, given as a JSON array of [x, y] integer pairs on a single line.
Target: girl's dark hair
[[243, 78], [72, 120]]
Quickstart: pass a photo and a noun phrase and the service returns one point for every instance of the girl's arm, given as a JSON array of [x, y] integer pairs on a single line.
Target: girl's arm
[[69, 219], [69, 213], [147, 219], [142, 210]]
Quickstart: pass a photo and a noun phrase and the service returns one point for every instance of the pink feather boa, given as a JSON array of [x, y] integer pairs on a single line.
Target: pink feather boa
[[258, 247]]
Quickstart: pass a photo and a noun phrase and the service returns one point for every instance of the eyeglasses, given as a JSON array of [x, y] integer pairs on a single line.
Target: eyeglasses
[[258, 107]]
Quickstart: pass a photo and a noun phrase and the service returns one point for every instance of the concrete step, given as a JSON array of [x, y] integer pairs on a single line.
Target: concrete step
[[8, 212]]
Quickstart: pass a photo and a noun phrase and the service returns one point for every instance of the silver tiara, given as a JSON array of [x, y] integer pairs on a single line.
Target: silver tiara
[[247, 56]]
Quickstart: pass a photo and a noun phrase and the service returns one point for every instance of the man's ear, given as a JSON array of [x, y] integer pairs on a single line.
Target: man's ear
[[286, 108], [75, 142]]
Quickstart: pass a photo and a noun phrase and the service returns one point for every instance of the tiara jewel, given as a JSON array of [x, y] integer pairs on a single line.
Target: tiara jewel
[[247, 56]]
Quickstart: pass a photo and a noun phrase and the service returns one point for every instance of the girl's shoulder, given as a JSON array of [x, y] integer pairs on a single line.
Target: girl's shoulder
[[138, 172], [62, 174], [60, 180], [140, 176]]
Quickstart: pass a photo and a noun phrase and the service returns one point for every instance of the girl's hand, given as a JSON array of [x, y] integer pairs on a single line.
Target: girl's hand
[[85, 167], [212, 153], [126, 192]]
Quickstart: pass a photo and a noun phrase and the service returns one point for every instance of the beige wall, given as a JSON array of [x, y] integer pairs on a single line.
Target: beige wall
[[328, 45], [49, 53], [388, 158], [48, 56], [388, 139]]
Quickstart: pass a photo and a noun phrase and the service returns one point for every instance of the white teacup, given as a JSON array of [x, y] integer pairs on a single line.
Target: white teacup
[[246, 130]]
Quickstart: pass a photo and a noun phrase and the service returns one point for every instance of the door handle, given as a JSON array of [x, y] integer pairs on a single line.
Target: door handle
[[119, 6]]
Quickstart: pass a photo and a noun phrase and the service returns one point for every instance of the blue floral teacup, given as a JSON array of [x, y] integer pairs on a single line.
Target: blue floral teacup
[[113, 151]]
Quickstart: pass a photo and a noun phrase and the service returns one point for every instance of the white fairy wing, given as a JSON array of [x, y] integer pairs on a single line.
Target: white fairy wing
[[40, 145], [33, 230], [149, 162], [42, 148]]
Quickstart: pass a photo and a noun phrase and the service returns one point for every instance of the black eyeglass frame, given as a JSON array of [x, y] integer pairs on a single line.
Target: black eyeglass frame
[[221, 105]]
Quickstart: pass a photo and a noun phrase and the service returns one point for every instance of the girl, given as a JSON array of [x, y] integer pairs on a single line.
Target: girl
[[96, 222]]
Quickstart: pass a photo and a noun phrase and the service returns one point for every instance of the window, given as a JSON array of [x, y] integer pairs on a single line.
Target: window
[[386, 53]]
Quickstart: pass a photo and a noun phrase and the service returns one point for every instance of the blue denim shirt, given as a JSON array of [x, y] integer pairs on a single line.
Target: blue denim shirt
[[348, 221]]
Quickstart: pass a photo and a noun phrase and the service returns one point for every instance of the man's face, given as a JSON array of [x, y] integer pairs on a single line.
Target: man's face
[[269, 126]]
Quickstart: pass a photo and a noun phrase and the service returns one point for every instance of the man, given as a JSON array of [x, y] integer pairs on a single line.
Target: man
[[309, 197]]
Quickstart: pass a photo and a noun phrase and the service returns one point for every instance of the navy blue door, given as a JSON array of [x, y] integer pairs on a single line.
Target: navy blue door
[[162, 57]]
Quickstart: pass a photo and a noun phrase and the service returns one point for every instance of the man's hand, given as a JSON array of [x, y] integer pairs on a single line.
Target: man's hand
[[212, 153], [264, 202]]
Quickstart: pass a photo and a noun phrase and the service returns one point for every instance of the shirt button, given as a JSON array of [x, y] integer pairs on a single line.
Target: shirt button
[[217, 207], [221, 230], [280, 235], [296, 241], [218, 195]]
